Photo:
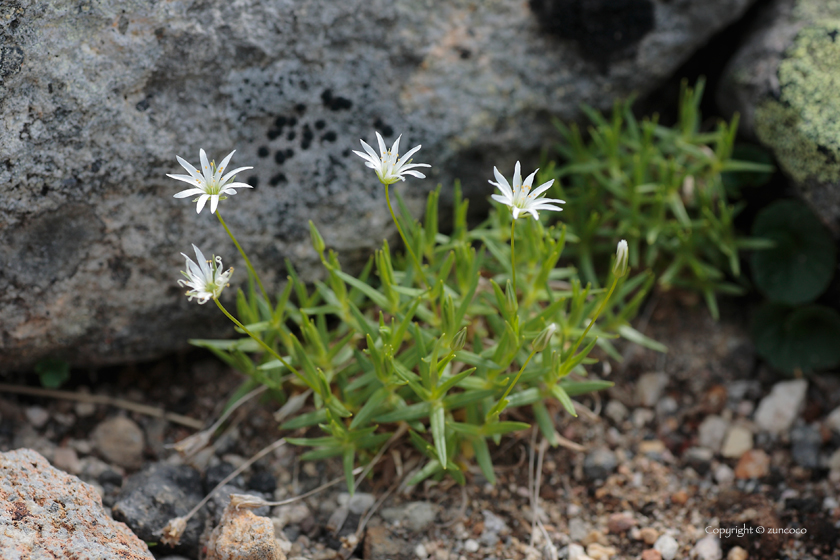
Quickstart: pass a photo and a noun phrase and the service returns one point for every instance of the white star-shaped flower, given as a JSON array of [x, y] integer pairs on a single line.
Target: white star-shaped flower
[[209, 183], [520, 198], [389, 166], [205, 278]]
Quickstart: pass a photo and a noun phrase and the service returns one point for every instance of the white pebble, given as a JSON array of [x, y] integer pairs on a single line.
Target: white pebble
[[667, 547], [471, 545]]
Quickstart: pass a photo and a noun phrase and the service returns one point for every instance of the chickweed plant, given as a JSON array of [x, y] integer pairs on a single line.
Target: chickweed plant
[[662, 189], [440, 345]]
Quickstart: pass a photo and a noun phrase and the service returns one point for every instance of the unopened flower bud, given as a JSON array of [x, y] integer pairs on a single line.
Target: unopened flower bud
[[247, 501], [317, 240], [460, 340], [620, 268], [544, 337]]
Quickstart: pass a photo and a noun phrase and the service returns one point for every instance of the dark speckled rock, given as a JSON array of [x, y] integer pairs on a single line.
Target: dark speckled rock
[[97, 98], [158, 493]]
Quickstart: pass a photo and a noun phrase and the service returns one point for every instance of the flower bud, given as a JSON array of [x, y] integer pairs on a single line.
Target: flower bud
[[544, 337], [317, 240], [510, 299], [171, 534], [620, 268], [460, 340]]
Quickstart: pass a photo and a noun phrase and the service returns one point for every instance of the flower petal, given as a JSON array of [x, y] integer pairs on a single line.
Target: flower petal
[[501, 198], [517, 177], [369, 149], [502, 183], [542, 188], [214, 203], [395, 149], [413, 174], [202, 200], [188, 192], [382, 149], [530, 179], [189, 167], [230, 175], [205, 166], [222, 165], [410, 153], [187, 179]]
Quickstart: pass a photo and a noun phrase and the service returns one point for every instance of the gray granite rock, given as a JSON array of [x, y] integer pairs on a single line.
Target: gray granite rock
[[160, 492], [783, 82], [46, 513], [97, 98]]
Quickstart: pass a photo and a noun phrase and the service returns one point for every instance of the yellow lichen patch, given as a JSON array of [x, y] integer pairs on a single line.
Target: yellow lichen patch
[[803, 126]]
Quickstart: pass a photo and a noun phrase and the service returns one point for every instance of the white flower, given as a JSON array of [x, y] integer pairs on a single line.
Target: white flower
[[621, 254], [209, 182], [205, 278], [389, 166], [519, 199]]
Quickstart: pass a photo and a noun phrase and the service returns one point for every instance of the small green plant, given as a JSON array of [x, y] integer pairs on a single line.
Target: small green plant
[[790, 332], [660, 188], [440, 344], [52, 372]]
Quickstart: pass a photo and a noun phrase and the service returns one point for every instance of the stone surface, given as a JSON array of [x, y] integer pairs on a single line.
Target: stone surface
[[45, 513], [651, 554], [97, 98], [620, 523], [699, 459], [777, 411], [737, 553], [494, 528], [241, 535], [120, 440], [782, 82], [160, 492], [738, 441]]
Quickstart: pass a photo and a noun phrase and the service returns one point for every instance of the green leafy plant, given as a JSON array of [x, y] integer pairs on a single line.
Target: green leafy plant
[[440, 344], [662, 189], [800, 265], [797, 338], [789, 331]]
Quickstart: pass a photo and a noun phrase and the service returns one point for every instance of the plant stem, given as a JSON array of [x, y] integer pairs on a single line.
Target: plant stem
[[407, 245], [244, 256], [513, 255], [267, 348], [595, 318], [511, 385]]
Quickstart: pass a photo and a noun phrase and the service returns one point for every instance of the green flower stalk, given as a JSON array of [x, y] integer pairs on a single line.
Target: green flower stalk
[[390, 168], [520, 199]]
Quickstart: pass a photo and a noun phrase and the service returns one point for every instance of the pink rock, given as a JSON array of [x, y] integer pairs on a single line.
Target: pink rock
[[46, 513]]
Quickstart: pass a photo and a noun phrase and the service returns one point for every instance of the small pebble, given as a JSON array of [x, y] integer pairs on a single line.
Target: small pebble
[[651, 447], [666, 407], [471, 545], [667, 546], [699, 459], [359, 503], [832, 421], [679, 498], [617, 412], [576, 552], [599, 464], [724, 475], [37, 416], [420, 551], [707, 548], [649, 535], [620, 523], [737, 553], [830, 503], [753, 464], [65, 458], [738, 441], [120, 440], [642, 417], [805, 446], [777, 411], [578, 529], [598, 551], [712, 432], [649, 388], [651, 554]]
